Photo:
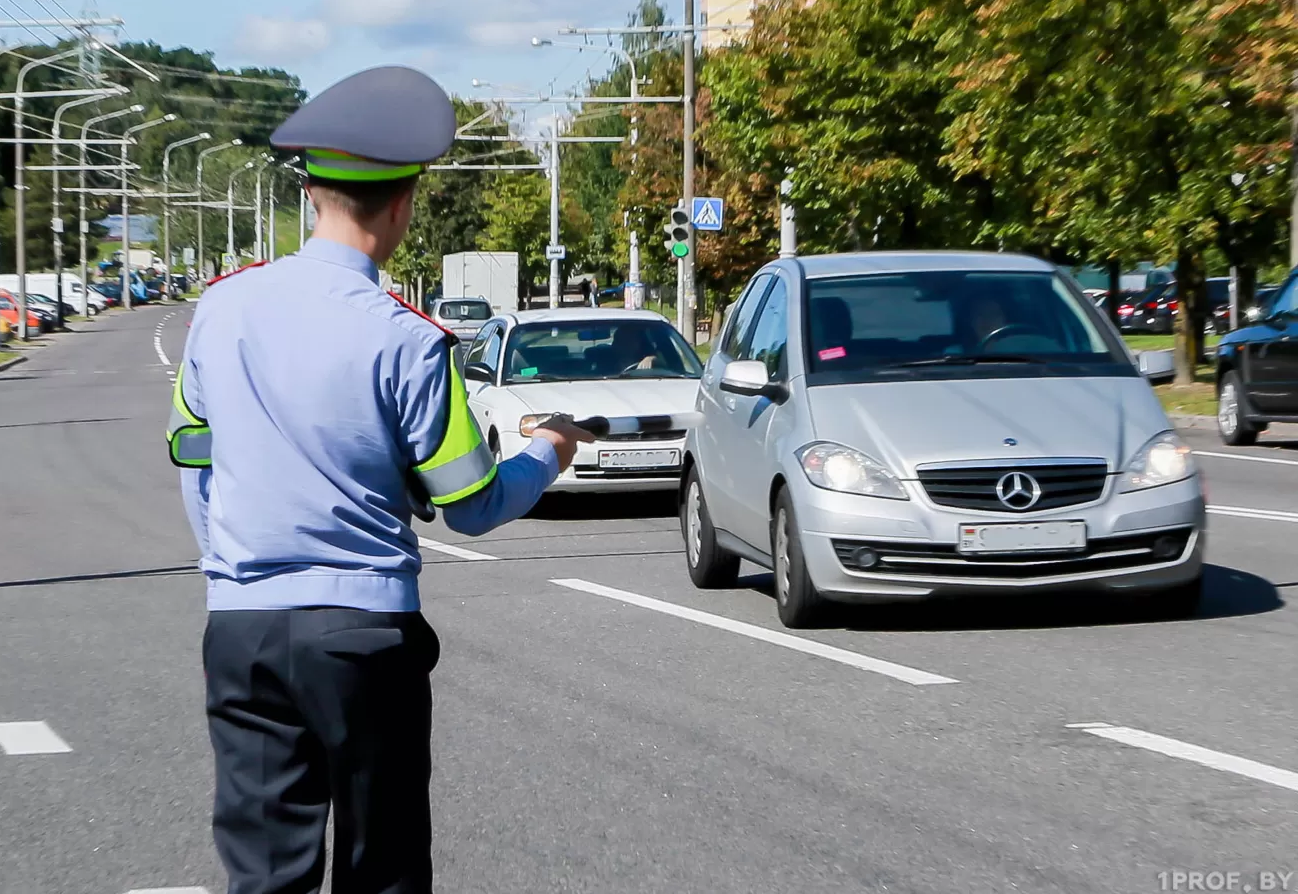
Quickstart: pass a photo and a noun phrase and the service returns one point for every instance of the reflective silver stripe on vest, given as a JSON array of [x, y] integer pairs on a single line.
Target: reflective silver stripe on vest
[[192, 446], [459, 475]]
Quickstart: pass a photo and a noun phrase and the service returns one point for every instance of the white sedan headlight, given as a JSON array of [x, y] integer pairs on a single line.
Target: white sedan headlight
[[1164, 460], [838, 468]]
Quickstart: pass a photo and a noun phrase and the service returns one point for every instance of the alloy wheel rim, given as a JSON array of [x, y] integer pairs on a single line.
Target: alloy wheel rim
[[693, 524], [1228, 410], [782, 557]]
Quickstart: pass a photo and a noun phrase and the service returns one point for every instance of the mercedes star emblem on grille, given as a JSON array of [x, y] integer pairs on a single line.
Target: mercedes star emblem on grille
[[1018, 490]]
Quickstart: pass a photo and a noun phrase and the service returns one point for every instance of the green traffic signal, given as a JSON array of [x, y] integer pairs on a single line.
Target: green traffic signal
[[681, 249]]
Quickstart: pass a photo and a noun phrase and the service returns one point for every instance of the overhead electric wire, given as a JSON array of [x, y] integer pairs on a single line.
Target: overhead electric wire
[[21, 24]]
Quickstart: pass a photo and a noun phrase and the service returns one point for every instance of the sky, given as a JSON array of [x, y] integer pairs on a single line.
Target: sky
[[322, 41]]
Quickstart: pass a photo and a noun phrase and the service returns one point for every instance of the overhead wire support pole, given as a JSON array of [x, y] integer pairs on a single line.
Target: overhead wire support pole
[[70, 24], [556, 266]]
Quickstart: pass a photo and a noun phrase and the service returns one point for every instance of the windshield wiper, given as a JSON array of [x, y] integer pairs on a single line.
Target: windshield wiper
[[658, 374], [957, 360]]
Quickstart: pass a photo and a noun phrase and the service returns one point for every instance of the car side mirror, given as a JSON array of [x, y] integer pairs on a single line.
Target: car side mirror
[[749, 378], [479, 372]]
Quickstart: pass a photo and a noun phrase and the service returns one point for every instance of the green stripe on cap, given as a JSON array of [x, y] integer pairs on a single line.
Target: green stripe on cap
[[332, 165]]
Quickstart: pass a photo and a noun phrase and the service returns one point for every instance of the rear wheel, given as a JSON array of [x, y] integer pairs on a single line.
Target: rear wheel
[[1235, 429], [796, 598], [711, 567]]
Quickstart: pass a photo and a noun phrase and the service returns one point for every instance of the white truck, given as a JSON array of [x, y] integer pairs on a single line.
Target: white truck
[[492, 275]]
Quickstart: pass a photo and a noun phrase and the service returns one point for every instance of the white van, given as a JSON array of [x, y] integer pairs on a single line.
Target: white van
[[74, 293]]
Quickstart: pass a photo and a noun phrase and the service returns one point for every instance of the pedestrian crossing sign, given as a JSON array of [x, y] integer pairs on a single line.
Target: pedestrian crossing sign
[[708, 213]]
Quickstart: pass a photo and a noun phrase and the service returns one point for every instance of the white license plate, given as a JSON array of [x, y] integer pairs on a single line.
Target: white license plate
[[639, 459], [1031, 537]]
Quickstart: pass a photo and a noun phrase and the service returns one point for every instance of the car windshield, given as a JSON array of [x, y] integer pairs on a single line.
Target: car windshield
[[598, 349], [478, 311], [955, 323]]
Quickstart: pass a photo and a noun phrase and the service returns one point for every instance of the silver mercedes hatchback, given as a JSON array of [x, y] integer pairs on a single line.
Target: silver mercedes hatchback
[[888, 427]]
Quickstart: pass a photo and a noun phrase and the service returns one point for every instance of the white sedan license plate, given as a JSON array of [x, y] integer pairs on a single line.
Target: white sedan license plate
[[1031, 537], [639, 459]]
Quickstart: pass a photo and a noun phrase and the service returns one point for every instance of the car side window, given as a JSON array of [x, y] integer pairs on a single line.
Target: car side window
[[479, 345], [491, 351], [771, 333], [742, 318]]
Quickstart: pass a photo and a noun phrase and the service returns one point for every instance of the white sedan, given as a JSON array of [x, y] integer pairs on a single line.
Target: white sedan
[[586, 362]]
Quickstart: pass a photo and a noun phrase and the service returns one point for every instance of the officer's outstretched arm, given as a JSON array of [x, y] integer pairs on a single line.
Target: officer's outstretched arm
[[519, 481]]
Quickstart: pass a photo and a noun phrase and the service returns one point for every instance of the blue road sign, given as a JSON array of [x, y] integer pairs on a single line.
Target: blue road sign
[[708, 213]]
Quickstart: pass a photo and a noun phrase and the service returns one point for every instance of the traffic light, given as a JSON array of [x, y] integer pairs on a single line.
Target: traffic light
[[678, 233]]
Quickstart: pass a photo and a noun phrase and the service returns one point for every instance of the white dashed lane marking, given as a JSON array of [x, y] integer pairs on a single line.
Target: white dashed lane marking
[[456, 551], [1248, 458], [1217, 760], [752, 631], [30, 737], [1275, 515], [157, 338], [168, 891]]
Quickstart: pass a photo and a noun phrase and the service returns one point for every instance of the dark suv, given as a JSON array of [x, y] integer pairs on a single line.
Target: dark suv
[[1257, 369]]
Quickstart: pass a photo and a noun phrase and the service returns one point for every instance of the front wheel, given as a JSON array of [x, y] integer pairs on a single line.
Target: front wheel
[[1235, 429], [710, 566], [797, 601]]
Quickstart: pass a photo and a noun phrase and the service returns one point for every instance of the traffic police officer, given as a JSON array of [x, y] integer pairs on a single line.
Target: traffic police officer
[[312, 415]]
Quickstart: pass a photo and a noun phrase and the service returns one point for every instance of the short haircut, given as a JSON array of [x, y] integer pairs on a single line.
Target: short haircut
[[363, 200]]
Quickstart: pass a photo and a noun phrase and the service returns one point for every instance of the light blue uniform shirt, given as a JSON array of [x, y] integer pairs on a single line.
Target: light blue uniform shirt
[[322, 391]]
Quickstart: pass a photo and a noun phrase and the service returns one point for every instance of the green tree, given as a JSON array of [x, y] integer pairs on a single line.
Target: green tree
[[518, 219]]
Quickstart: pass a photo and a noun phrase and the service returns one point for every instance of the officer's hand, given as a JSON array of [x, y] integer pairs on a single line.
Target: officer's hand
[[565, 437]]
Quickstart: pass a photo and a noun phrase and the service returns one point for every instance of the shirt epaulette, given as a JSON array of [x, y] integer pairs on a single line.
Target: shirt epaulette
[[225, 276], [451, 338]]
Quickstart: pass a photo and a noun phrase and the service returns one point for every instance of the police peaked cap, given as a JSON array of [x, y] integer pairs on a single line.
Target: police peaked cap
[[381, 124]]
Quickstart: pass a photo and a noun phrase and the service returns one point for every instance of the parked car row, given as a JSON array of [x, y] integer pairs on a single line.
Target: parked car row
[[1155, 309]]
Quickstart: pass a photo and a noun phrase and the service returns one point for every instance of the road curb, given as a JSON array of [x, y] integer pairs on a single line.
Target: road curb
[[14, 362]]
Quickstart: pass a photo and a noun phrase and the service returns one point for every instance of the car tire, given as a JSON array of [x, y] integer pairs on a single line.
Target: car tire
[[1232, 425], [796, 599], [1179, 603], [710, 566]]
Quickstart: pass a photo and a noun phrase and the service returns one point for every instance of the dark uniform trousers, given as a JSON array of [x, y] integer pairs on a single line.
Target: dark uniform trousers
[[312, 706]]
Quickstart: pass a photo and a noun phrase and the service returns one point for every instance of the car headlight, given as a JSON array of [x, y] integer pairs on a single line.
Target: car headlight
[[528, 425], [1164, 460], [838, 468]]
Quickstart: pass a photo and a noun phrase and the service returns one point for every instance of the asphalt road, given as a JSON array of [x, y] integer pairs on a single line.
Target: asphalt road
[[622, 732]]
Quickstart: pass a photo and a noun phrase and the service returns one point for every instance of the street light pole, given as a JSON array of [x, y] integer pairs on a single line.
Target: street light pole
[[689, 289], [202, 155], [127, 139], [56, 218], [166, 213], [20, 199], [259, 253], [556, 268], [84, 225], [229, 213]]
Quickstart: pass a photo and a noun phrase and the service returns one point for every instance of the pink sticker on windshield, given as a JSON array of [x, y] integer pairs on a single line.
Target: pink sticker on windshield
[[833, 354]]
